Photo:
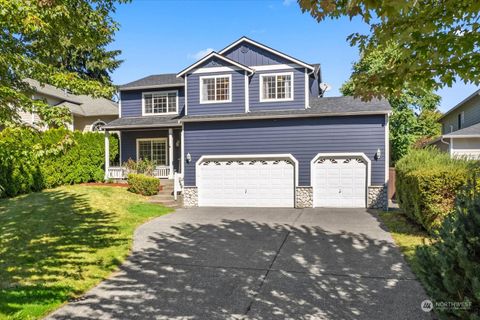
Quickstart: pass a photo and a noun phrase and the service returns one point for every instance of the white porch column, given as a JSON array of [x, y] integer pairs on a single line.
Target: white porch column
[[170, 152], [107, 153]]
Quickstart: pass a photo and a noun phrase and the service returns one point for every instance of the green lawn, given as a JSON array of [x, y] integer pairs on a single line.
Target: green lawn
[[406, 234], [56, 244]]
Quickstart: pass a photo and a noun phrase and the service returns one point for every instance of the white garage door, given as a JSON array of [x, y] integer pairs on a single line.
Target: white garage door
[[246, 183], [340, 182]]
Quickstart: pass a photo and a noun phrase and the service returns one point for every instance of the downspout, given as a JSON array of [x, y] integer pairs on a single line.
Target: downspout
[[448, 144]]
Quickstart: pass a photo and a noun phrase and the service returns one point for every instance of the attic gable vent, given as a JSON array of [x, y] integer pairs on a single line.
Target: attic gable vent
[[244, 49]]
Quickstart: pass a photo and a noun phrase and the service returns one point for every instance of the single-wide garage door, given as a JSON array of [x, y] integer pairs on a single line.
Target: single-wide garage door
[[340, 182], [246, 183]]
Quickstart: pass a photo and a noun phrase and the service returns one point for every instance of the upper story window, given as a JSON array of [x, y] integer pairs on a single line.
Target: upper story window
[[155, 103], [276, 87], [461, 120], [216, 89]]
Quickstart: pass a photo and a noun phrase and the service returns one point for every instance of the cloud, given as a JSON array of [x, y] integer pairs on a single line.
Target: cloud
[[288, 2], [200, 54]]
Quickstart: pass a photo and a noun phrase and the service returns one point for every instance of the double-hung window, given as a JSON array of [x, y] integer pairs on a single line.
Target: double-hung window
[[216, 89], [155, 103], [154, 150], [276, 87]]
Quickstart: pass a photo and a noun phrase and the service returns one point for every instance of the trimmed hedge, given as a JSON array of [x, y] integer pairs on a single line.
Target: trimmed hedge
[[32, 160], [142, 184], [450, 267], [427, 182]]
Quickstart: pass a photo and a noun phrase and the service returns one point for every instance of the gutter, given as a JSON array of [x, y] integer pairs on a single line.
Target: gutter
[[287, 116]]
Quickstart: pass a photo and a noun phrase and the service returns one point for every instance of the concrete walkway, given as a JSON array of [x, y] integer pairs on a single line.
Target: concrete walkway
[[232, 263]]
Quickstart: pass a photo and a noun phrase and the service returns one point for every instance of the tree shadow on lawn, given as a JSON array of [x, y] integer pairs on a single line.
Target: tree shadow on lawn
[[241, 269], [47, 243]]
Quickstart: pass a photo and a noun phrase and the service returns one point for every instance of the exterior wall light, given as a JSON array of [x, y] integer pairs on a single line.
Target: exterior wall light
[[378, 154], [189, 158]]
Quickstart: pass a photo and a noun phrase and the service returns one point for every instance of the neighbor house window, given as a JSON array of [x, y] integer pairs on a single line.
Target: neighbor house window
[[461, 120], [276, 87], [214, 89], [160, 102], [154, 150]]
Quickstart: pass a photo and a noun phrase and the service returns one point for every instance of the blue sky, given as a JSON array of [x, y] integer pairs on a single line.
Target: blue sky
[[167, 36]]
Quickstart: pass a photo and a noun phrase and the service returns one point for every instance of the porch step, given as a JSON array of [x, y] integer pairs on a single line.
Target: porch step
[[167, 203], [162, 197]]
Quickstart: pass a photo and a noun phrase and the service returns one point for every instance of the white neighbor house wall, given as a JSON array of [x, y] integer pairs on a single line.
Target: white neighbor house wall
[[465, 147]]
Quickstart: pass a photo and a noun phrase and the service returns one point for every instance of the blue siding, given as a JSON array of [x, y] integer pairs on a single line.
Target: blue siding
[[132, 101], [129, 143], [251, 55], [298, 92], [303, 138], [238, 95]]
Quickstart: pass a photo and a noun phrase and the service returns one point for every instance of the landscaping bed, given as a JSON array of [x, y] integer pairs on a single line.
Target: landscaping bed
[[58, 243]]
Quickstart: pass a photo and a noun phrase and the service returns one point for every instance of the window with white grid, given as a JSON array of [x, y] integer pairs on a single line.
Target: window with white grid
[[154, 150], [160, 103], [276, 87], [215, 89]]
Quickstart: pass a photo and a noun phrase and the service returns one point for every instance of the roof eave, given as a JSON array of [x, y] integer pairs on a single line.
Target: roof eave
[[145, 126], [216, 55], [287, 116], [460, 104], [161, 86]]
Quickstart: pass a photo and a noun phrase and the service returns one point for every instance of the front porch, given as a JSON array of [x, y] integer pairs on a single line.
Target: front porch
[[162, 146]]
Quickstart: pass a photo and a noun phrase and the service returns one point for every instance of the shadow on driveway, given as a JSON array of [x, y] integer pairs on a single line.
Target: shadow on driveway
[[307, 264]]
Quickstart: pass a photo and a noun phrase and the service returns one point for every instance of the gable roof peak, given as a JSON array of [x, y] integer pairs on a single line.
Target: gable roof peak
[[214, 54], [267, 48]]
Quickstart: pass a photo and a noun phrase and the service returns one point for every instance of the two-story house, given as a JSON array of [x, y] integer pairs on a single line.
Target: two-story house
[[88, 113], [461, 129], [247, 126]]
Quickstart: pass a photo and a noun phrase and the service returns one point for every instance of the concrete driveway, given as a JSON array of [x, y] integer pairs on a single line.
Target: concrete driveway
[[237, 263]]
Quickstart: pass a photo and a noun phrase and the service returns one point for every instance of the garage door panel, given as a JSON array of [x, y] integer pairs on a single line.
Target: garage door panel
[[339, 182], [246, 183]]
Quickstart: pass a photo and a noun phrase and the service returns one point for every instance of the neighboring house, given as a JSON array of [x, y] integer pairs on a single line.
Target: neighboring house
[[89, 114], [247, 126], [461, 129]]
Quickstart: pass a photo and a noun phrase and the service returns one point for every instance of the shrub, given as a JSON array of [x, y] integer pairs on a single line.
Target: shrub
[[450, 267], [142, 184], [31, 160], [427, 182], [143, 166]]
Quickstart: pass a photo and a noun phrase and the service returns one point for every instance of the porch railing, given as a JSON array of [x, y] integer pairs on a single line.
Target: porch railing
[[121, 172]]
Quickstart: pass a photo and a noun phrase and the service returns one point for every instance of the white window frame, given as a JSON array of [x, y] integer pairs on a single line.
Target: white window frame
[[203, 101], [276, 74], [159, 92], [151, 140]]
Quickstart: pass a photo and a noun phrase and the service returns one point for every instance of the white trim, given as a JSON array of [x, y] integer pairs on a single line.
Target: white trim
[[182, 152], [155, 86], [119, 146], [144, 114], [247, 97], [119, 104], [340, 155], [211, 55], [461, 136], [186, 96], [292, 83], [286, 116], [170, 152], [246, 157], [278, 53], [387, 153], [307, 95], [450, 148], [215, 69], [154, 139], [107, 153], [229, 76]]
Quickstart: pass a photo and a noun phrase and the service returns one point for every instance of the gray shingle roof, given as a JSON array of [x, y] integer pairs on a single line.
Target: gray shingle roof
[[320, 107], [144, 122], [82, 105], [473, 130], [328, 106], [154, 81]]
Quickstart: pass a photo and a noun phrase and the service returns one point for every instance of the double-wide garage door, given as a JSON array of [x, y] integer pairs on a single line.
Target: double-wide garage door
[[246, 183]]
